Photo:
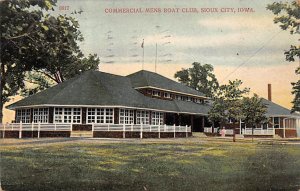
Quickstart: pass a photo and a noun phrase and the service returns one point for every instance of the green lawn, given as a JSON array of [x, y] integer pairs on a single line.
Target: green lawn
[[148, 165]]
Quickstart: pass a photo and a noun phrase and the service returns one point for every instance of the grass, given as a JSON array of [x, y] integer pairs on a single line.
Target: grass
[[149, 165]]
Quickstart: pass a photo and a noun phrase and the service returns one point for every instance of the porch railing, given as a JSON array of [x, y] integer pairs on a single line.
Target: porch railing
[[20, 127], [140, 127], [248, 131]]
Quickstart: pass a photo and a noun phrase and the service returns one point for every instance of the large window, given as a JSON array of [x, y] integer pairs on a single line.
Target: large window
[[100, 115], [40, 115], [23, 115], [157, 118], [126, 116], [67, 115], [142, 117]]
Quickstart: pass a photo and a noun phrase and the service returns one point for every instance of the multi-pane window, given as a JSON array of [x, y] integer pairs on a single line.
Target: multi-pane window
[[100, 115], [23, 115], [157, 118], [142, 117], [276, 122], [126, 116], [67, 115], [40, 115]]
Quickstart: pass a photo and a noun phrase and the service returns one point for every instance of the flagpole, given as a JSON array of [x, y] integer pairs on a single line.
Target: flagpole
[[143, 54], [155, 57]]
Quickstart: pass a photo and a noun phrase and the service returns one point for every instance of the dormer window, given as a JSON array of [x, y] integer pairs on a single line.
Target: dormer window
[[167, 95], [156, 93], [183, 98]]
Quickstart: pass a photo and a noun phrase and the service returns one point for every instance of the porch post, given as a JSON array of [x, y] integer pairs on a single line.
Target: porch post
[[159, 131], [124, 131], [20, 130], [186, 131], [192, 121], [174, 131], [3, 131], [141, 131], [39, 129]]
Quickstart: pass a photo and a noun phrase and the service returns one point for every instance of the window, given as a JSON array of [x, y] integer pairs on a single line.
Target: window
[[67, 115], [167, 95], [157, 118], [276, 122], [178, 97], [142, 117], [23, 115], [126, 116], [149, 92], [40, 115], [189, 99], [183, 98], [100, 115], [156, 93]]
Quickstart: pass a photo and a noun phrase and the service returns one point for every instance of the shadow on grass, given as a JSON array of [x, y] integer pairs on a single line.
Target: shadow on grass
[[272, 169]]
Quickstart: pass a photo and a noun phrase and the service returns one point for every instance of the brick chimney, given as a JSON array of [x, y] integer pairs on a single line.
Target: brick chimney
[[269, 92]]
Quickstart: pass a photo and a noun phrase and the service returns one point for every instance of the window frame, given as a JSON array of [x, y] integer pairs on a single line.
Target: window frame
[[67, 117], [100, 114]]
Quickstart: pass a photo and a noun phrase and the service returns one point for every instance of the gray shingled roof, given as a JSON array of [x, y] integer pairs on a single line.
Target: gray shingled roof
[[94, 88], [275, 109], [145, 78]]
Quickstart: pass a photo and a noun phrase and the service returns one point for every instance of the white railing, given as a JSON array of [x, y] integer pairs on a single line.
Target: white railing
[[248, 131], [140, 127], [210, 129], [35, 127]]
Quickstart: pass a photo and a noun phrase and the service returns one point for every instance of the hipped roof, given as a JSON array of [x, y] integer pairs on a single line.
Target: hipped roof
[[94, 88], [145, 78]]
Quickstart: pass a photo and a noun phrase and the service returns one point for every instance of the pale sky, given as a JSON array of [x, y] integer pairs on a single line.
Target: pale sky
[[247, 46]]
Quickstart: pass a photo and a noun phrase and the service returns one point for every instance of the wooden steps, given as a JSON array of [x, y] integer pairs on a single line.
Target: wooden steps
[[78, 134]]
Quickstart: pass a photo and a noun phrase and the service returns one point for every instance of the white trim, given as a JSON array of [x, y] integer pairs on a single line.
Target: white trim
[[113, 115], [143, 87], [112, 106], [63, 114]]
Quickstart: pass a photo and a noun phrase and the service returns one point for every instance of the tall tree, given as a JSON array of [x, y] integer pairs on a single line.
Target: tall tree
[[199, 77], [254, 111], [34, 40], [227, 104], [288, 17]]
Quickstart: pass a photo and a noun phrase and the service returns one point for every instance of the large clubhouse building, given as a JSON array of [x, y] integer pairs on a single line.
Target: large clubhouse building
[[142, 104], [96, 99]]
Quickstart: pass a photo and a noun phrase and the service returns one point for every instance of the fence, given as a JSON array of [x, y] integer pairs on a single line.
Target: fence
[[247, 131], [20, 127], [140, 127]]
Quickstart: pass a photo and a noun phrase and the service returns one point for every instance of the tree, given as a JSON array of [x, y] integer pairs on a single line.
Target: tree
[[287, 15], [227, 104], [254, 111], [199, 77], [296, 92], [34, 40], [43, 79]]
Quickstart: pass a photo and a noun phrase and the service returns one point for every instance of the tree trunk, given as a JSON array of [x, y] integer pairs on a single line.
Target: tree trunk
[[1, 91]]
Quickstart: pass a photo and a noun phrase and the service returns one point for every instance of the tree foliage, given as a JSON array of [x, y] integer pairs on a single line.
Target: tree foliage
[[287, 15], [296, 92], [227, 104], [199, 77], [39, 46], [254, 111]]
